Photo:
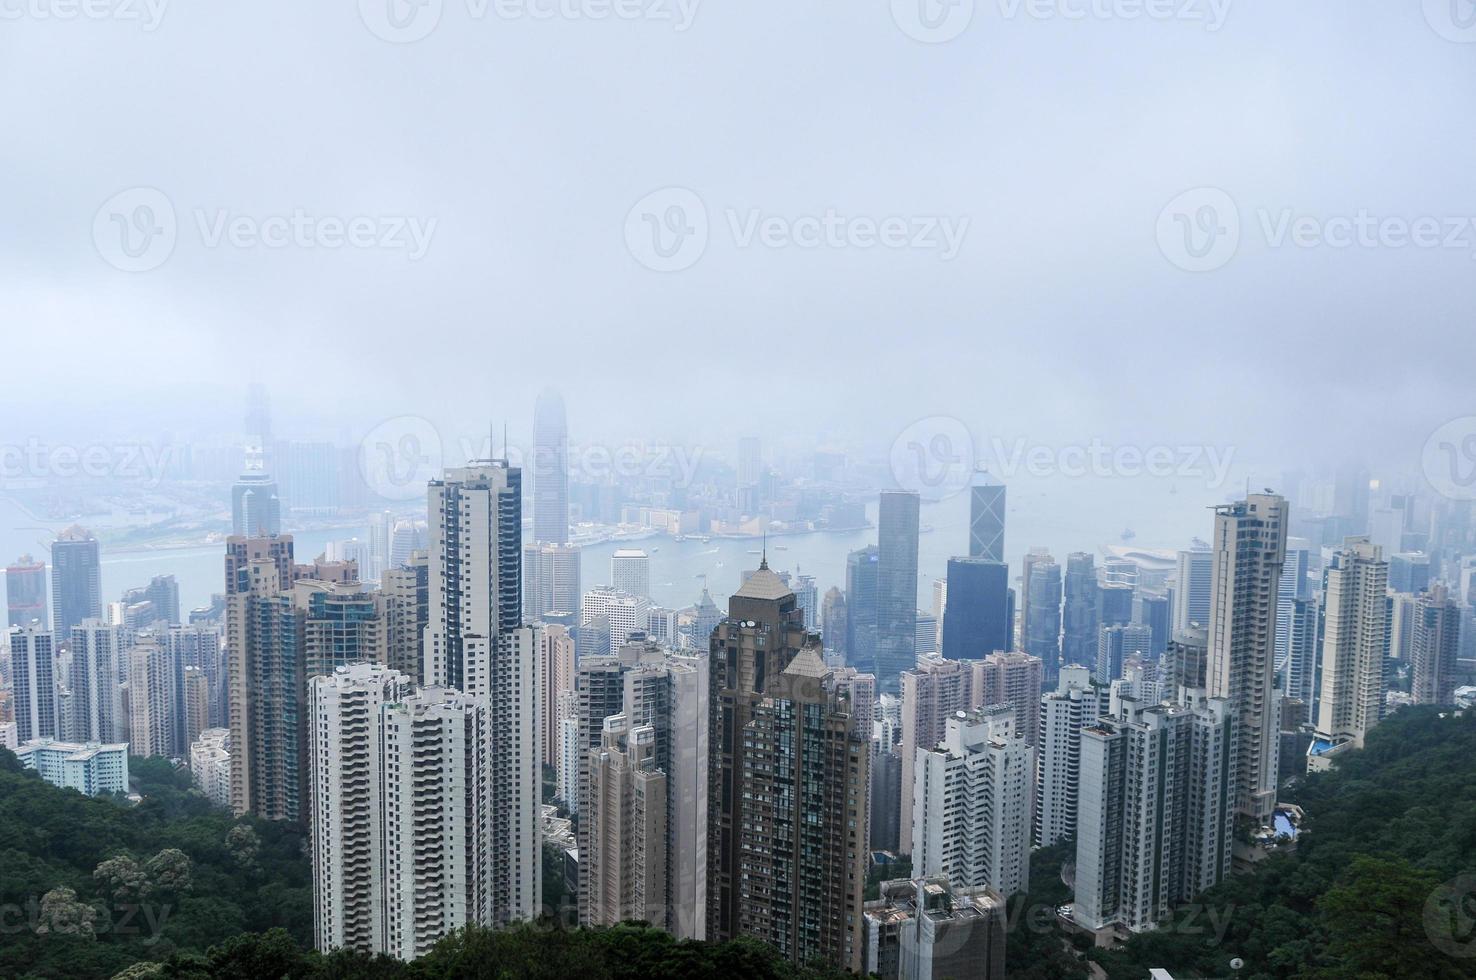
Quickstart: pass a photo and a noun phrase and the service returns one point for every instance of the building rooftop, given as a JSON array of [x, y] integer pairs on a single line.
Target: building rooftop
[[764, 584], [808, 663], [75, 751]]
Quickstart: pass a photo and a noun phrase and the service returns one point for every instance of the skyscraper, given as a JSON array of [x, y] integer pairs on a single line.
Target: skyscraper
[[1409, 572], [807, 594], [1154, 611], [33, 682], [971, 804], [1249, 550], [630, 571], [343, 625], [76, 579], [1079, 611], [550, 470], [404, 605], [862, 608], [749, 474], [927, 929], [785, 840], [25, 592], [1293, 585], [475, 567], [802, 837], [1114, 604], [476, 644], [834, 624], [404, 813], [1041, 625], [556, 649], [609, 618], [1115, 644], [1156, 810], [1192, 588], [654, 689], [977, 618], [1187, 659], [624, 855], [551, 581], [986, 518], [1304, 653], [256, 508], [152, 688], [1436, 640], [896, 585], [1073, 706], [97, 648], [268, 721], [1355, 618], [1033, 557], [749, 649], [1013, 681], [932, 692]]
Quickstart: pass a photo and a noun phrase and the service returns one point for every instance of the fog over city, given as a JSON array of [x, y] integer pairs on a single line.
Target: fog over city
[[913, 489], [1053, 136]]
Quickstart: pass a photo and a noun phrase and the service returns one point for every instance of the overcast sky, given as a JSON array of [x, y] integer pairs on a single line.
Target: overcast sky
[[525, 151]]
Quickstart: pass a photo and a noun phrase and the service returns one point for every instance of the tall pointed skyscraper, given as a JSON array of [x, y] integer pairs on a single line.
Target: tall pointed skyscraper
[[986, 517], [550, 470], [787, 778], [1248, 552], [256, 507]]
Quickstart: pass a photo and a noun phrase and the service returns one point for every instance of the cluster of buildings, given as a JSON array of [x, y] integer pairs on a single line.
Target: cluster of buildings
[[88, 683], [740, 772]]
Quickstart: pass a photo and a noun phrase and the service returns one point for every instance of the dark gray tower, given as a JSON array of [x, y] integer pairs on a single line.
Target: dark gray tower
[[896, 586], [76, 579], [550, 470]]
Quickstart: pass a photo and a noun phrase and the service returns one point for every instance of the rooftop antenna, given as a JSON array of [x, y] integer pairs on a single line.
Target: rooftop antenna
[[764, 561], [504, 440]]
